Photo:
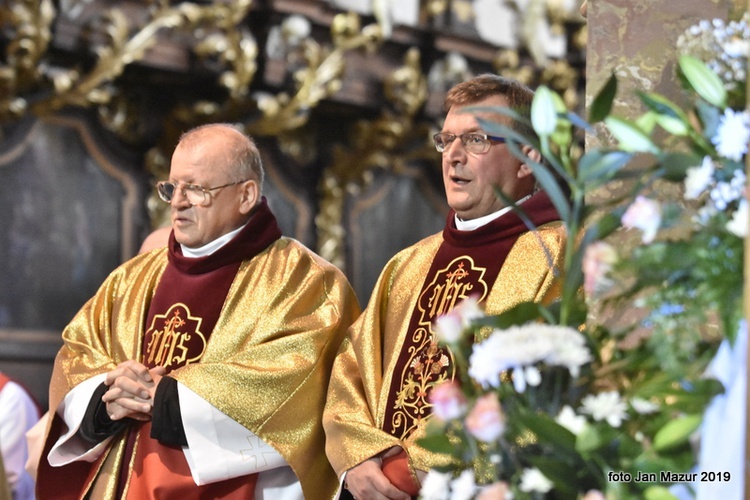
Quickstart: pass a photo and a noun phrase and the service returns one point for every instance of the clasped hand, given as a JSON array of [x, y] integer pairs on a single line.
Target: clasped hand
[[131, 390], [366, 481]]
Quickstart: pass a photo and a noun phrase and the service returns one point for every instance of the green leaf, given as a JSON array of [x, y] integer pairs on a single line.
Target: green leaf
[[630, 136], [563, 133], [602, 103], [551, 186], [547, 181], [559, 472], [710, 117], [668, 114], [438, 443], [646, 122], [589, 439], [674, 166], [673, 125], [549, 431], [607, 224], [518, 315], [705, 82], [577, 121], [597, 167], [676, 432], [543, 112]]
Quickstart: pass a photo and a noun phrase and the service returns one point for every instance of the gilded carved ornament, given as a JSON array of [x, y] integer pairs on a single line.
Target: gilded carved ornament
[[316, 71], [221, 38], [390, 142]]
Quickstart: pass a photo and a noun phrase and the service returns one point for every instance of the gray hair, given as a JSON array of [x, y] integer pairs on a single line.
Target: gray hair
[[242, 160]]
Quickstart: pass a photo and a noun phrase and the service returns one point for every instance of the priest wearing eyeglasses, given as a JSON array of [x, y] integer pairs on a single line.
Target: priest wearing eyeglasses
[[200, 370], [379, 396]]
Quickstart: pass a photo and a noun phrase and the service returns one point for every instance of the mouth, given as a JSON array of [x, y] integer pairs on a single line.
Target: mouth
[[179, 220], [455, 179]]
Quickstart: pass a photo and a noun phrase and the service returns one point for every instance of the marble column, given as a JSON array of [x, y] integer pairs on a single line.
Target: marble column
[[636, 39]]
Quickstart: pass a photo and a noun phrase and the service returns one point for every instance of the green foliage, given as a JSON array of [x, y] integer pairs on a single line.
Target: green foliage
[[704, 81], [634, 404], [602, 104]]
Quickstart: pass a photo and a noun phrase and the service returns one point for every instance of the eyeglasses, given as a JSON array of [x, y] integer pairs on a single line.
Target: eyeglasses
[[195, 194], [473, 142]]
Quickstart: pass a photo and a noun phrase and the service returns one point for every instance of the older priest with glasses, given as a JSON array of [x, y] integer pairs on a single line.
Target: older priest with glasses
[[379, 396], [200, 370]]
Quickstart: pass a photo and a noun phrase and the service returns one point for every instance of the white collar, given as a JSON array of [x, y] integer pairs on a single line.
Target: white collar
[[470, 225], [209, 248]]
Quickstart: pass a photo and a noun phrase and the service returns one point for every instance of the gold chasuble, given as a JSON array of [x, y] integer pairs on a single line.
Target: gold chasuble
[[390, 361], [252, 329]]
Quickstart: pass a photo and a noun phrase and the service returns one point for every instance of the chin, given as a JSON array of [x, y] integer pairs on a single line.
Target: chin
[[183, 239]]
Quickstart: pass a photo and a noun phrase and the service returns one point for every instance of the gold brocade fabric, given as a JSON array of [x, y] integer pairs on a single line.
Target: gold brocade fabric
[[363, 370], [267, 362]]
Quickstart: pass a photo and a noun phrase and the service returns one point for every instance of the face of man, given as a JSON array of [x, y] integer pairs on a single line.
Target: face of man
[[226, 209], [469, 178]]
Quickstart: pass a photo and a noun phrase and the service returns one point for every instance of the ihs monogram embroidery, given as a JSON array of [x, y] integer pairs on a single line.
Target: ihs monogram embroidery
[[174, 339], [429, 364]]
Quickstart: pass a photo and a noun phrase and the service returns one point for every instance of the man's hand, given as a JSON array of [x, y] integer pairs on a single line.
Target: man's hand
[[367, 482], [131, 390]]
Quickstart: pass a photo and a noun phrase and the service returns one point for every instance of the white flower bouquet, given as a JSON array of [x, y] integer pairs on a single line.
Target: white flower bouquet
[[546, 401]]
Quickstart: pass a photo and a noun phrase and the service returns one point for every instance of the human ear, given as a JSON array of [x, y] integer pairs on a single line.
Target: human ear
[[250, 196], [524, 170]]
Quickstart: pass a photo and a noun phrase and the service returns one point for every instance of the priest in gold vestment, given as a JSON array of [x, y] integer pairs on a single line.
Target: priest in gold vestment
[[200, 370], [378, 398]]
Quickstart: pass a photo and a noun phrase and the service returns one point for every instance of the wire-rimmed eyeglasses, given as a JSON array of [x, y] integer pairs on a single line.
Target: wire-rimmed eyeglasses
[[195, 194], [474, 142]]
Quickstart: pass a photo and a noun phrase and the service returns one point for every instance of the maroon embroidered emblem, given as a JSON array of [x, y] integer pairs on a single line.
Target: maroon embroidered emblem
[[423, 363], [174, 339]]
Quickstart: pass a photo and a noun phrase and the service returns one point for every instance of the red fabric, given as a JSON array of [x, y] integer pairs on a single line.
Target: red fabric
[[76, 476], [168, 476], [162, 473], [396, 469]]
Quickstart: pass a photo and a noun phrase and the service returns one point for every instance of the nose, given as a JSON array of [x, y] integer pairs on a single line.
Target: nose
[[454, 152], [179, 198]]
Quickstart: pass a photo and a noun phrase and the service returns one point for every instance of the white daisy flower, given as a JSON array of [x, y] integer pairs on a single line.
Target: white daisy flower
[[699, 178], [732, 134], [520, 347], [605, 406], [739, 222], [436, 486], [643, 406], [572, 354], [464, 486], [570, 420], [534, 480]]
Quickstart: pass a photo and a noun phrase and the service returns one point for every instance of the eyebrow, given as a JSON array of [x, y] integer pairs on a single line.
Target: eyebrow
[[470, 131]]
